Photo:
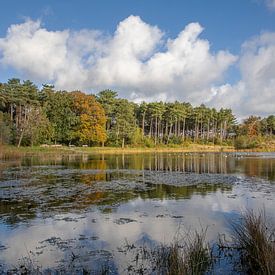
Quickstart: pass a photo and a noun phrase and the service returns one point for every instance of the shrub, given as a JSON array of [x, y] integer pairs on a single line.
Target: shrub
[[245, 142], [136, 137], [148, 142], [175, 140]]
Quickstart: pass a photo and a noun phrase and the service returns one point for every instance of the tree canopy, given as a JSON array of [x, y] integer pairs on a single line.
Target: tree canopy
[[32, 116]]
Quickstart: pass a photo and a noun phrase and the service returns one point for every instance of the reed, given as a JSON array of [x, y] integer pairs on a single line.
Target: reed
[[255, 240]]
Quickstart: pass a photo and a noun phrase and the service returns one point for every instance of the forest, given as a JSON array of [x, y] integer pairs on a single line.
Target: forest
[[31, 116]]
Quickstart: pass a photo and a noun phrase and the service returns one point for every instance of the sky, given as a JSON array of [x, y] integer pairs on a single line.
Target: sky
[[217, 52]]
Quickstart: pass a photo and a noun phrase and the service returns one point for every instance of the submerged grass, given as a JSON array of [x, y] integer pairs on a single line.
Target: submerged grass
[[27, 266]]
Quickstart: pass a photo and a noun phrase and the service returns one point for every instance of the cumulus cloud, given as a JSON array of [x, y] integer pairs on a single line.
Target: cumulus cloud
[[142, 63], [137, 59], [255, 92], [270, 4], [42, 55]]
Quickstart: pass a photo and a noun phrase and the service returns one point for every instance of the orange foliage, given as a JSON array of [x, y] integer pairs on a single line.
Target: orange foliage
[[91, 116]]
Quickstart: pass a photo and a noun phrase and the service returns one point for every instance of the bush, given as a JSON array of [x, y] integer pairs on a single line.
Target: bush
[[245, 142], [148, 142], [136, 137], [175, 140]]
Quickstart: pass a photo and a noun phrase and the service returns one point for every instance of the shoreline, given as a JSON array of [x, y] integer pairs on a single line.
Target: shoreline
[[192, 148]]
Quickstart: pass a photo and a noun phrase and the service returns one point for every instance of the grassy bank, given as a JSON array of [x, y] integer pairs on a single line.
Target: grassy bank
[[187, 148], [12, 150], [192, 147]]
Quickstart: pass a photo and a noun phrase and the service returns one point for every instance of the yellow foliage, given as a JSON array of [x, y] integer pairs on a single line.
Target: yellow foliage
[[92, 118]]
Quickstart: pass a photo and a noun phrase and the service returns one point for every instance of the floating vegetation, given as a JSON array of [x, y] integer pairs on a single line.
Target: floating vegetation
[[74, 214], [251, 250]]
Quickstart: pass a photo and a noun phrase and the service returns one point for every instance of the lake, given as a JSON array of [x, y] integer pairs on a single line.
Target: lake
[[70, 212]]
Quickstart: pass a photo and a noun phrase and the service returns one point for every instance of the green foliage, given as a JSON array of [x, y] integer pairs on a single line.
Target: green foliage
[[39, 129], [270, 124], [148, 142], [175, 140], [32, 116], [246, 142], [124, 124], [136, 137], [108, 100], [58, 108], [5, 129]]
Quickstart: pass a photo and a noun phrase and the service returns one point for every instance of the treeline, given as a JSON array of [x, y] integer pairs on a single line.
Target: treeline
[[29, 116], [32, 116]]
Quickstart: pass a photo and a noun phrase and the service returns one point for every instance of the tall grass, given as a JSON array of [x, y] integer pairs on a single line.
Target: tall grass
[[8, 151], [254, 241], [189, 255], [192, 255]]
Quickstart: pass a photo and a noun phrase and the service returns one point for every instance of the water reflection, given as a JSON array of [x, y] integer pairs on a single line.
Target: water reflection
[[75, 205], [253, 164]]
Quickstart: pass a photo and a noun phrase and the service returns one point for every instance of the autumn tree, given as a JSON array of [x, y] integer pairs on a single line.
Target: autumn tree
[[31, 116], [251, 126], [91, 119]]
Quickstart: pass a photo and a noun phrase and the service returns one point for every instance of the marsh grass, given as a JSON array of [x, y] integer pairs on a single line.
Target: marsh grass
[[198, 255], [188, 255], [191, 255], [13, 151], [253, 243], [8, 152]]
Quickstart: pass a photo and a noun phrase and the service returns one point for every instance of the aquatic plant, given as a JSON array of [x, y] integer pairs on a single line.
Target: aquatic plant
[[188, 255], [192, 255], [252, 247], [255, 241]]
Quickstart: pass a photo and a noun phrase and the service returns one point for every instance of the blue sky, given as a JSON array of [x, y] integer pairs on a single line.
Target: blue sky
[[227, 26], [227, 23]]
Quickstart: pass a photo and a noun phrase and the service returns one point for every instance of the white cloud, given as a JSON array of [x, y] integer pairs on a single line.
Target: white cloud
[[44, 55], [255, 92], [270, 4], [136, 59], [140, 62]]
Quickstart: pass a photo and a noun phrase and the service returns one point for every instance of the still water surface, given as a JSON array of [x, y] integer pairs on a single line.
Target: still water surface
[[73, 212]]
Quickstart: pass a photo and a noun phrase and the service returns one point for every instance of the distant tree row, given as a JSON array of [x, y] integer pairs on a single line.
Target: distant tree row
[[32, 116], [160, 122]]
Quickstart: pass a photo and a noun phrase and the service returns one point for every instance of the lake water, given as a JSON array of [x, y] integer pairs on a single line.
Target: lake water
[[70, 212]]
